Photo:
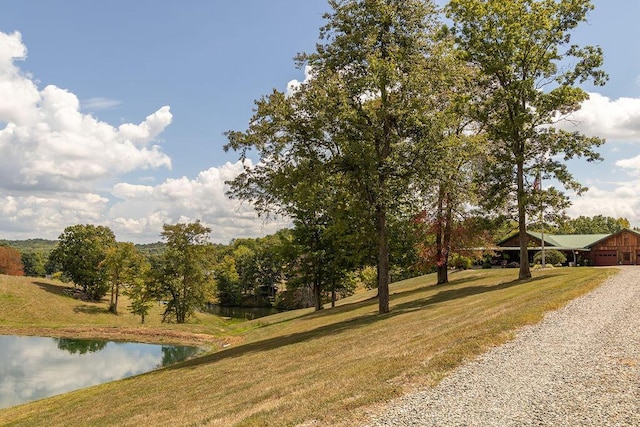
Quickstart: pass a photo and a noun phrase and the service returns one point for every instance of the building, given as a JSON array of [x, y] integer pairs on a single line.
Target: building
[[621, 248]]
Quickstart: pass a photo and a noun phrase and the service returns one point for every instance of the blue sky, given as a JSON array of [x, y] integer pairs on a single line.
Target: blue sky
[[114, 112]]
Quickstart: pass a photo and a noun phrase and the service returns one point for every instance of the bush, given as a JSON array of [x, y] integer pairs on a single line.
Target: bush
[[460, 262], [551, 257]]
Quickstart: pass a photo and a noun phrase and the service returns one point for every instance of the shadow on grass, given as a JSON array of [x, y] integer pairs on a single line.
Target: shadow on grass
[[57, 290], [453, 294], [350, 324], [89, 309]]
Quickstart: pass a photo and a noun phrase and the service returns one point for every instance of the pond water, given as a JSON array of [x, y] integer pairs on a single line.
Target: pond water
[[32, 368]]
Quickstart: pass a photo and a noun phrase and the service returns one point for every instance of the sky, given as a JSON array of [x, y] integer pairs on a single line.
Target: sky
[[114, 113]]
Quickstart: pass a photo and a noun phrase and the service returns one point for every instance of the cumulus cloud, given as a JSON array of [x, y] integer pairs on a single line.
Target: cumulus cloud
[[48, 143], [614, 120], [621, 201], [143, 209]]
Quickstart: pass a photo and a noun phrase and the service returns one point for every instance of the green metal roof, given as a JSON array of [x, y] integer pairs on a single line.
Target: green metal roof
[[569, 241]]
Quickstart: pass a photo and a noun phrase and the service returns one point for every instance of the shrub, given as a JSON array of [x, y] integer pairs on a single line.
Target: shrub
[[551, 257], [461, 262]]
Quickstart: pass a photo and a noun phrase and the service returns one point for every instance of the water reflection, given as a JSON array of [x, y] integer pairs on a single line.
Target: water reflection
[[80, 346], [32, 368]]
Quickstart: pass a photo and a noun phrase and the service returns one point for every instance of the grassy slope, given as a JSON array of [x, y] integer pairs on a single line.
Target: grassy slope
[[301, 366]]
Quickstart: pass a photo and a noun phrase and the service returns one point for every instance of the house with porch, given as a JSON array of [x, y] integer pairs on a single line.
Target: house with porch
[[621, 248]]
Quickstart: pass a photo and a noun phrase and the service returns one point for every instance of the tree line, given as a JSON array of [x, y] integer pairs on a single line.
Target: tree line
[[281, 270]]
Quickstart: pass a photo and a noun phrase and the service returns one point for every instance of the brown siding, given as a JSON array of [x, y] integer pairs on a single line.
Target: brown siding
[[625, 244], [515, 242]]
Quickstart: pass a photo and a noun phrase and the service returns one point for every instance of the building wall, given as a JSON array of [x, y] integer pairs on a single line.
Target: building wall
[[621, 248]]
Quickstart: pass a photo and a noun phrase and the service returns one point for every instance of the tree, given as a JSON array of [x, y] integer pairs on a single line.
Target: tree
[[183, 274], [228, 287], [522, 49], [10, 262], [123, 266], [316, 261], [80, 252], [34, 263], [592, 225], [359, 127], [142, 291]]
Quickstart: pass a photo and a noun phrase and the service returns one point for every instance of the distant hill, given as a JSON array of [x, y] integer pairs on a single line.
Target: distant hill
[[47, 246], [31, 245]]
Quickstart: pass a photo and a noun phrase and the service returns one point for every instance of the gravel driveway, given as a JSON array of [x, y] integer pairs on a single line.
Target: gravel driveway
[[580, 366]]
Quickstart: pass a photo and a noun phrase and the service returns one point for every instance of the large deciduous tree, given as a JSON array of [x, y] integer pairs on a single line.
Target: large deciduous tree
[[80, 252], [358, 127], [184, 275], [531, 72]]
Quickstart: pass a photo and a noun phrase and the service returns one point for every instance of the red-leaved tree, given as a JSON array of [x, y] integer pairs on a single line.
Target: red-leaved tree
[[10, 262]]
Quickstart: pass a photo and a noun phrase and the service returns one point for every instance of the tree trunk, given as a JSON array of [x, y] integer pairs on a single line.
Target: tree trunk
[[383, 260], [317, 295], [525, 271], [443, 236], [333, 298], [114, 302]]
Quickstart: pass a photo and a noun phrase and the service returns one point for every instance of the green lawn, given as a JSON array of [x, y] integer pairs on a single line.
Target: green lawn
[[295, 367]]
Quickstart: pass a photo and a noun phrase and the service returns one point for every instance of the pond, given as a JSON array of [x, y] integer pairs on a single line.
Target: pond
[[33, 368]]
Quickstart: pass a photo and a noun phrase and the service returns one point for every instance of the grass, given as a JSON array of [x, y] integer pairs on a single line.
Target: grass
[[333, 367]]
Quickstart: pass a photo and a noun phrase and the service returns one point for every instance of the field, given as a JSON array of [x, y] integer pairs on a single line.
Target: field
[[333, 367]]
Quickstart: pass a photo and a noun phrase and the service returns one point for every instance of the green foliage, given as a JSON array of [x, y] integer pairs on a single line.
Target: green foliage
[[142, 293], [598, 224], [34, 264], [31, 245], [59, 275], [368, 277], [182, 274], [551, 256], [123, 266], [461, 262], [151, 249], [228, 288], [530, 74], [351, 143], [80, 252]]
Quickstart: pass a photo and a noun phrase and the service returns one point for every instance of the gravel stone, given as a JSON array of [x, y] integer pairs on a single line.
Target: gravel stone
[[580, 366]]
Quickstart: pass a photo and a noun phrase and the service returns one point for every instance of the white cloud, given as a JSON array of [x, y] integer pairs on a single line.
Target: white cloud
[[137, 212], [99, 104], [614, 120], [143, 209], [47, 143], [622, 201], [55, 158]]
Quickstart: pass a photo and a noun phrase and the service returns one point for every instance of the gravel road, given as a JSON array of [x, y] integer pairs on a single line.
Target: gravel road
[[580, 366]]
